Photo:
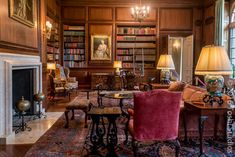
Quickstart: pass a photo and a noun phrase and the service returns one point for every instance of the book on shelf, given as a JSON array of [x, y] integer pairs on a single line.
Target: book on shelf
[[146, 65], [50, 57], [50, 49], [125, 58], [136, 45], [74, 45], [136, 51], [67, 27], [127, 65], [73, 64], [79, 39], [74, 51], [136, 38], [136, 30], [74, 57], [74, 33], [57, 56], [145, 57]]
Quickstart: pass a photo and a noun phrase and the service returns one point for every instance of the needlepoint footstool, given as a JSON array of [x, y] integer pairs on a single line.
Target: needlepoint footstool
[[77, 104]]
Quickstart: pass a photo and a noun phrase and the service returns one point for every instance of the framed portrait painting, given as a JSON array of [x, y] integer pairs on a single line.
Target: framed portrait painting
[[22, 11], [101, 48]]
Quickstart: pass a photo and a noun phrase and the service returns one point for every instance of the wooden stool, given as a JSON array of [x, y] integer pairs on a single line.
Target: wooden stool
[[77, 104]]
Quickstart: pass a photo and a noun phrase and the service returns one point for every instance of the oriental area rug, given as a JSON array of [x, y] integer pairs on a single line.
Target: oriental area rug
[[75, 142]]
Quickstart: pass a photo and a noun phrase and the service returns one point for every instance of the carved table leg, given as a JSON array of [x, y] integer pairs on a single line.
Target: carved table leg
[[201, 121], [67, 118], [97, 134], [112, 138], [216, 126], [72, 118]]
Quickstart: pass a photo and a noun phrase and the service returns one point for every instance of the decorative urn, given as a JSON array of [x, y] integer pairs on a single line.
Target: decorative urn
[[23, 105], [39, 96]]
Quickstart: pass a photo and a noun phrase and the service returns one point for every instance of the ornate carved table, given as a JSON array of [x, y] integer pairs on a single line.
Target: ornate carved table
[[98, 130]]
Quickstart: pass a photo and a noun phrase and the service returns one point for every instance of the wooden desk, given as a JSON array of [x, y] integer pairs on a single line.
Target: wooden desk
[[203, 111]]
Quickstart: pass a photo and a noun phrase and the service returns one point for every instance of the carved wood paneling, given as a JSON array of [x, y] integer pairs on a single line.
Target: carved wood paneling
[[17, 36], [74, 13], [100, 14], [176, 19]]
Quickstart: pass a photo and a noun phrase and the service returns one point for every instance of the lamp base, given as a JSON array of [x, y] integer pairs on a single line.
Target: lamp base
[[165, 76], [213, 99], [214, 86]]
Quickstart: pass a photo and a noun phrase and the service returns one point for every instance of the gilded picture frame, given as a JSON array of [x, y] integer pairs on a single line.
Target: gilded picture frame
[[101, 48], [23, 11]]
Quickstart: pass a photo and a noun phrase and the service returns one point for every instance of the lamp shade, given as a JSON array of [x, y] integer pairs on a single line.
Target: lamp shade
[[51, 66], [117, 64], [165, 62], [213, 60]]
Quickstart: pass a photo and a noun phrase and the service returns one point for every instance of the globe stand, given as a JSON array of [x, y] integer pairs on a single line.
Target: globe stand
[[23, 125]]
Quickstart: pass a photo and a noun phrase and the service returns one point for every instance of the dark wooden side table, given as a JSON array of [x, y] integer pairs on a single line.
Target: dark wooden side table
[[203, 111], [98, 129]]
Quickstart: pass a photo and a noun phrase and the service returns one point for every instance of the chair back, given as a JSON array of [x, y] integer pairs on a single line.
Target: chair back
[[59, 72], [156, 115]]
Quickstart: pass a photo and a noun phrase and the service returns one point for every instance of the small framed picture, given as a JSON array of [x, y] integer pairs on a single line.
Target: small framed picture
[[23, 11], [101, 48]]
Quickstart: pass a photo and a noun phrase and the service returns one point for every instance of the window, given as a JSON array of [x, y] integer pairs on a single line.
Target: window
[[232, 41]]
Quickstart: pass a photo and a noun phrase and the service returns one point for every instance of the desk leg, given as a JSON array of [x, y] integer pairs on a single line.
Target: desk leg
[[216, 122], [201, 121], [112, 138]]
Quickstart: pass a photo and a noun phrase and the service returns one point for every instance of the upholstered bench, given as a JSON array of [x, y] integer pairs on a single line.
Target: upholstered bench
[[77, 104]]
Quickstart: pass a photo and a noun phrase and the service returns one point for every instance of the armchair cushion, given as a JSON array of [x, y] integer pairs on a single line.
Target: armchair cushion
[[156, 115]]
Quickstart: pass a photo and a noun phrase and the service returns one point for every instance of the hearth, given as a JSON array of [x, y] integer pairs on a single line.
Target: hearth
[[23, 83], [10, 65]]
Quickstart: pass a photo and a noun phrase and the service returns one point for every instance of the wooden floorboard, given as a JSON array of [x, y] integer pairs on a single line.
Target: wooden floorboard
[[14, 150]]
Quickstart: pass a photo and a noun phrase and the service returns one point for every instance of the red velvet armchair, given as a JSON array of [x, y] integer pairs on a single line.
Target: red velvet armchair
[[155, 119]]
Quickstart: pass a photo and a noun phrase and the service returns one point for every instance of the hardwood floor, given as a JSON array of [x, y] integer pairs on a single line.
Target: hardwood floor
[[14, 150]]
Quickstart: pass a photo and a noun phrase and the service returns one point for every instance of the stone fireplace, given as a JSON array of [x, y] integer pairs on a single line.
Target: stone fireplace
[[9, 63]]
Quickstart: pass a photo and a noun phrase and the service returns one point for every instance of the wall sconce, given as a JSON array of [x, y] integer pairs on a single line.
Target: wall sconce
[[48, 29]]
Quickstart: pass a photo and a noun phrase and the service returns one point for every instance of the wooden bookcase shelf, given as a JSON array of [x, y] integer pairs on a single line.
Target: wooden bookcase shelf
[[74, 46], [135, 44], [53, 50]]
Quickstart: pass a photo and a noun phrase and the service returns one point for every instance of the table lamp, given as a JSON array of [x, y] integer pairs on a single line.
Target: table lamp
[[51, 66], [165, 63], [213, 62], [117, 65]]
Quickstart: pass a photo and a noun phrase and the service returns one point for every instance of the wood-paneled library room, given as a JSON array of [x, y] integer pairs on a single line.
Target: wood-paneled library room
[[117, 78]]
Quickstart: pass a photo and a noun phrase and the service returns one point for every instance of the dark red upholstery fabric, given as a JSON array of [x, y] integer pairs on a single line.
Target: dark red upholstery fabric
[[156, 115]]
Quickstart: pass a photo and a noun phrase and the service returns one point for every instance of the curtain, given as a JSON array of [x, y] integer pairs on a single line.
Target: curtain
[[219, 22]]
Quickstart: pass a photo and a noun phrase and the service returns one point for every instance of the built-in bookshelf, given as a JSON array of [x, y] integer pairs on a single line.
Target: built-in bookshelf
[[74, 46], [53, 50], [136, 45]]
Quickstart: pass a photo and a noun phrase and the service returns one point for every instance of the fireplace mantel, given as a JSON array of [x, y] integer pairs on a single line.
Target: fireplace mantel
[[9, 62]]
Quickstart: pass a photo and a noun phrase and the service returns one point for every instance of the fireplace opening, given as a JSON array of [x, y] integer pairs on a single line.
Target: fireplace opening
[[23, 85]]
